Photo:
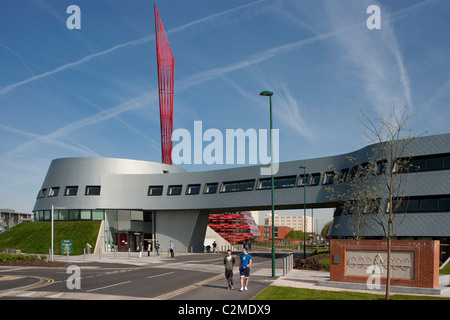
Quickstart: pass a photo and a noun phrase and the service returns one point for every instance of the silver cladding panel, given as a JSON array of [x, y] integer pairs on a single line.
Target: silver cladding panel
[[124, 185]]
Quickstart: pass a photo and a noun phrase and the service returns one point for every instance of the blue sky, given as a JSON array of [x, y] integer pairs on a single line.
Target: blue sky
[[93, 91]]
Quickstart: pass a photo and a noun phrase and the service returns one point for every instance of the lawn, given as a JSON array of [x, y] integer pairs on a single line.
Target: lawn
[[34, 237], [288, 293], [446, 269]]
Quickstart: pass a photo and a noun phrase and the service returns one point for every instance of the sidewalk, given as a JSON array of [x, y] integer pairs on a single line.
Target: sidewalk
[[131, 258], [307, 279], [320, 280]]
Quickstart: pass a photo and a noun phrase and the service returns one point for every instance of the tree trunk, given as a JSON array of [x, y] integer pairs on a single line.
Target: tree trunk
[[388, 274]]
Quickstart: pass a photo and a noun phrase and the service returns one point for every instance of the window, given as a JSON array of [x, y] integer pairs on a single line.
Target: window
[[98, 214], [423, 204], [428, 205], [339, 209], [155, 190], [285, 182], [447, 162], [328, 177], [372, 206], [353, 172], [174, 190], [42, 193], [71, 191], [74, 214], [64, 214], [93, 190], [85, 214], [364, 169], [351, 207], [278, 182], [211, 188], [434, 163], [343, 175], [444, 204], [315, 179], [245, 185], [303, 180], [54, 192], [423, 163], [411, 205], [381, 167], [193, 189]]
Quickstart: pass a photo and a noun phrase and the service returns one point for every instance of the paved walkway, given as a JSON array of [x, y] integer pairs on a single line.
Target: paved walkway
[[319, 280], [308, 279]]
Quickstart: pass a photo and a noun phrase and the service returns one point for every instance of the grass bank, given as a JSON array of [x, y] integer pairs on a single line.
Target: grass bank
[[35, 237]]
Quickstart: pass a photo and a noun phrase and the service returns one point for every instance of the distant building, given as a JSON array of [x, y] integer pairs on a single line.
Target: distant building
[[281, 233], [255, 215], [9, 218], [295, 222]]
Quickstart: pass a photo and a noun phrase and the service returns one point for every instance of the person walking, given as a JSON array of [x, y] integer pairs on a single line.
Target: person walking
[[149, 248], [171, 249], [244, 268], [214, 247], [229, 262], [141, 249], [157, 248]]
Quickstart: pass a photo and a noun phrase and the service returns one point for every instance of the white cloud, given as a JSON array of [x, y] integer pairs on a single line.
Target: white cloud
[[373, 56]]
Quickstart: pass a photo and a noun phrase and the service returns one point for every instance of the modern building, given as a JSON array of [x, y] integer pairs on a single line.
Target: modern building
[[139, 200], [295, 222], [10, 218], [234, 227]]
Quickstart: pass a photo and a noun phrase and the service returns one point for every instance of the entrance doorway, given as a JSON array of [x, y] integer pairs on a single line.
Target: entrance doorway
[[131, 240]]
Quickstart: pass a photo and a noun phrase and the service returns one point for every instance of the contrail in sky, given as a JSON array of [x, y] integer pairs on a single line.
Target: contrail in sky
[[119, 46]]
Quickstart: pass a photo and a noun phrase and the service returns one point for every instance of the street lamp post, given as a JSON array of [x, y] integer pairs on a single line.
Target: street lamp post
[[269, 94], [304, 210], [312, 229], [52, 231]]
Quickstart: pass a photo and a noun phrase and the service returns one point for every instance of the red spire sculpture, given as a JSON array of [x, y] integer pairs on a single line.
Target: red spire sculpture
[[166, 69]]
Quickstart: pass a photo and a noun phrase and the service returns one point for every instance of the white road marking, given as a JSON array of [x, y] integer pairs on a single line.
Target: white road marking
[[113, 285], [160, 275]]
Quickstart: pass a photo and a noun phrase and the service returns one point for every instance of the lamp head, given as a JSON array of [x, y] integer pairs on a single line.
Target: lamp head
[[266, 93]]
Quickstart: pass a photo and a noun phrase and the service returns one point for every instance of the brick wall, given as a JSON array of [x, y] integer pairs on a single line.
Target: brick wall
[[426, 260]]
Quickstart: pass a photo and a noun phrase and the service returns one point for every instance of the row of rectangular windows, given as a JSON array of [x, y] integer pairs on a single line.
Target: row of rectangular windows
[[231, 186], [70, 215], [415, 164], [439, 203], [423, 204], [69, 191]]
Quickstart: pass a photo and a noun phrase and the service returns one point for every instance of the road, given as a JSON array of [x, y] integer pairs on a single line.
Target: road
[[185, 277]]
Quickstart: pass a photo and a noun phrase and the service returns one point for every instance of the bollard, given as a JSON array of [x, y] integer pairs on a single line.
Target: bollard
[[128, 253], [84, 253], [67, 250]]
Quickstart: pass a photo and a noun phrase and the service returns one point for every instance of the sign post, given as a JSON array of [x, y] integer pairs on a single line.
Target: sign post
[[66, 246]]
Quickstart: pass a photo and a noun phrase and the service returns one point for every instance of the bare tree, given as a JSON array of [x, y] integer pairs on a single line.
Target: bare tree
[[375, 189]]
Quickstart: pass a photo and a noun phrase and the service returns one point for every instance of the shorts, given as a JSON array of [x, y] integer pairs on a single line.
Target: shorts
[[244, 272], [228, 274]]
